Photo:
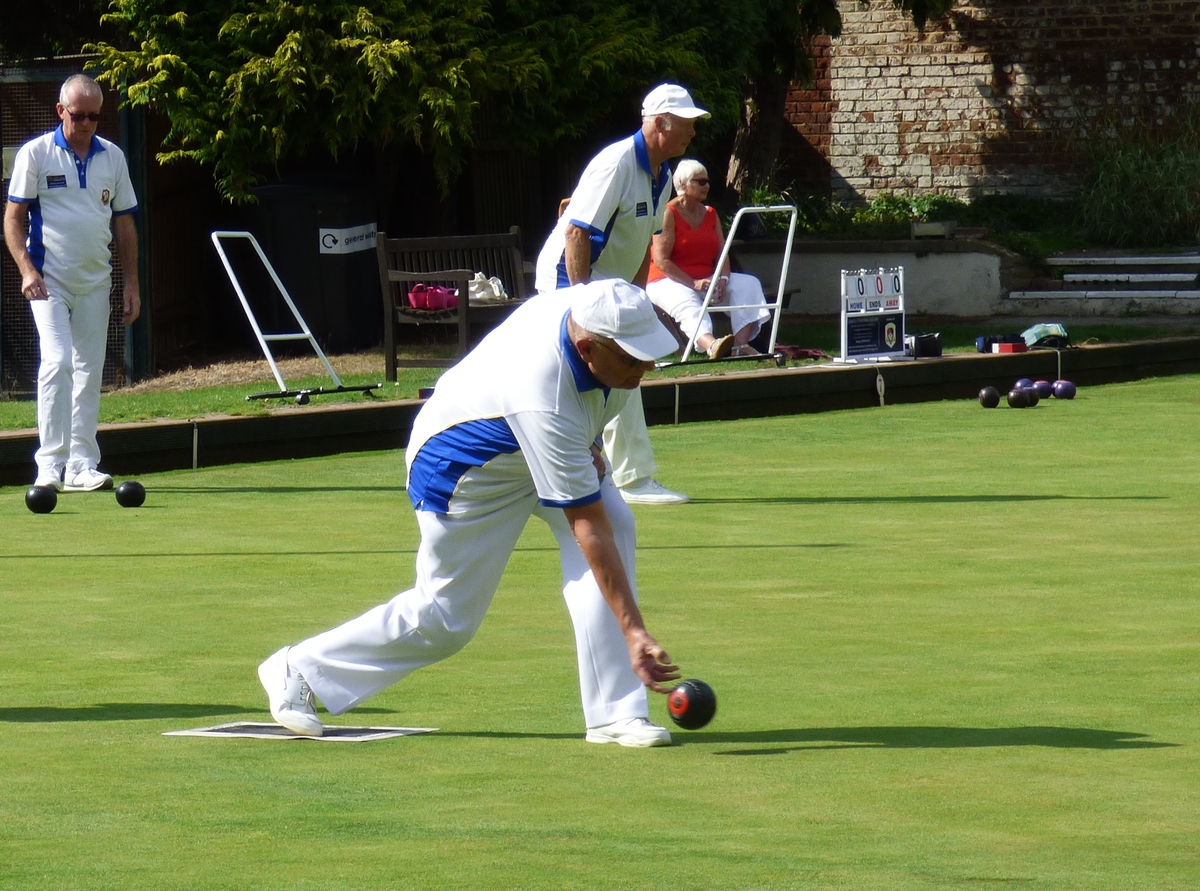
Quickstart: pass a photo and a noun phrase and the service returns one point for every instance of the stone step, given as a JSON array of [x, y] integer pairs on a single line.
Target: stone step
[[1130, 277], [1158, 260], [1144, 294]]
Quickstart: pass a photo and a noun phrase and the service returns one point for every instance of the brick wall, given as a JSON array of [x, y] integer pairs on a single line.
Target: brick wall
[[988, 100]]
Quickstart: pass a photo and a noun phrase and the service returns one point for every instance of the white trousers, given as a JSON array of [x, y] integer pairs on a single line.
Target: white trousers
[[459, 564], [683, 304], [627, 443], [72, 335]]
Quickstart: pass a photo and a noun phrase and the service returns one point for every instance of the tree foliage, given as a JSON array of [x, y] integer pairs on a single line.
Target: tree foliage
[[248, 83]]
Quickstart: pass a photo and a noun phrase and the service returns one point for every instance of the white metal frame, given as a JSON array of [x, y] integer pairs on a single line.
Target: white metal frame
[[775, 308], [264, 339]]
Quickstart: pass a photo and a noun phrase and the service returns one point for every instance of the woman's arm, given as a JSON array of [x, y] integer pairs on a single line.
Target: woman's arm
[[663, 245]]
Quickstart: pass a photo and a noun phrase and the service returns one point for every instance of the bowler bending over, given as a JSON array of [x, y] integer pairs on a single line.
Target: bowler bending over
[[510, 432]]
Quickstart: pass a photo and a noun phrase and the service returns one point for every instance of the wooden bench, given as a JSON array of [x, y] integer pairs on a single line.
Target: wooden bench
[[450, 261]]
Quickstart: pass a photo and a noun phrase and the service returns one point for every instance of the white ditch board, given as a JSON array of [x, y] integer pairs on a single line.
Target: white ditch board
[[254, 730], [872, 315]]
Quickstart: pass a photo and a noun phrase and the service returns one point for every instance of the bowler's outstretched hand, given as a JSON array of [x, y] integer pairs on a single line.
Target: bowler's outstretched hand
[[651, 662]]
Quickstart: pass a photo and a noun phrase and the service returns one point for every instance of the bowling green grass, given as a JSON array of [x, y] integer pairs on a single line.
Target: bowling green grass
[[953, 648]]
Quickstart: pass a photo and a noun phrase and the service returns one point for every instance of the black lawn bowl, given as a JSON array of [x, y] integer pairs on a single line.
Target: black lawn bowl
[[692, 704], [131, 494], [1018, 398], [41, 499], [989, 397]]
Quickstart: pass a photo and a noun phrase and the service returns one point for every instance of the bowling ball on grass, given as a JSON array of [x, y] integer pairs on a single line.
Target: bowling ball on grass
[[131, 494], [692, 704], [1018, 398], [1064, 390], [41, 499]]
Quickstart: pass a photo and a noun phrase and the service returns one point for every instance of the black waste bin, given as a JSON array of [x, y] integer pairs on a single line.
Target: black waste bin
[[321, 241]]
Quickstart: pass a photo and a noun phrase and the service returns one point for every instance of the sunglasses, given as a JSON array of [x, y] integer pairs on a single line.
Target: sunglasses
[[700, 182], [79, 117], [620, 354]]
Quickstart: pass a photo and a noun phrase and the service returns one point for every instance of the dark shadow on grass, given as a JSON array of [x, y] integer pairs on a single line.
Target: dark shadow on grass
[[924, 499], [135, 711], [374, 552], [778, 742], [119, 711], [271, 490], [782, 742]]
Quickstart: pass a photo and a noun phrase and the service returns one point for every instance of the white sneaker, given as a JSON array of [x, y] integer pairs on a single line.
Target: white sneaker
[[50, 479], [637, 733], [290, 696], [650, 491], [87, 480]]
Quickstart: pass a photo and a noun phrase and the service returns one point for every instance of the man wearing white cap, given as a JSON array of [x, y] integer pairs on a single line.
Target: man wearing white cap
[[509, 433], [604, 232]]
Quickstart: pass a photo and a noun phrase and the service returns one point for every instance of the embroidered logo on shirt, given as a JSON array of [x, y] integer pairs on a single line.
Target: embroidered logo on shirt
[[104, 196], [56, 182], [641, 210]]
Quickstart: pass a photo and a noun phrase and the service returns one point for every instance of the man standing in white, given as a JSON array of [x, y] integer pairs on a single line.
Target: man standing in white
[[73, 188], [605, 232], [510, 433]]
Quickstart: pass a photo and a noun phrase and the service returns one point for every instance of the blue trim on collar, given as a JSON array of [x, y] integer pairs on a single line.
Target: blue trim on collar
[[81, 165], [61, 141], [584, 379], [643, 158]]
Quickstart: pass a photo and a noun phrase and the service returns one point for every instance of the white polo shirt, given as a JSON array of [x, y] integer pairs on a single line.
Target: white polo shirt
[[517, 415], [619, 204], [71, 203]]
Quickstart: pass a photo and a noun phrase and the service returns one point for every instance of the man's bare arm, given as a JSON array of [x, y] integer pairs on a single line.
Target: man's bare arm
[[578, 255], [32, 285], [125, 232], [593, 531]]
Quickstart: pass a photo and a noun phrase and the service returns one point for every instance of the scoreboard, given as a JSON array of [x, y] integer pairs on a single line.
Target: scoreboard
[[872, 314]]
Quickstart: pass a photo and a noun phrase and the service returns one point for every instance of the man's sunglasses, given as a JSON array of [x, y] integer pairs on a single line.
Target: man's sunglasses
[[620, 354], [80, 116]]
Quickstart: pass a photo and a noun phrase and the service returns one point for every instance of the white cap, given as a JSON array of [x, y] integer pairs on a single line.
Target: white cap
[[622, 312], [671, 99]]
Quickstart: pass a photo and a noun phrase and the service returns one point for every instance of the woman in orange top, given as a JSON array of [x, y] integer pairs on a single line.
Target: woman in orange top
[[684, 255]]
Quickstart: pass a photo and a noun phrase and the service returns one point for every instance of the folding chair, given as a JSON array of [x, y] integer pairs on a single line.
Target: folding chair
[[774, 308], [301, 396]]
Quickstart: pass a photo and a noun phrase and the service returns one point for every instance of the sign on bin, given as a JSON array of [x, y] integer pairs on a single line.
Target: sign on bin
[[349, 240]]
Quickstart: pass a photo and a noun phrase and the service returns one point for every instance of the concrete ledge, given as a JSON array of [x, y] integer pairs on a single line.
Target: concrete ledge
[[310, 431]]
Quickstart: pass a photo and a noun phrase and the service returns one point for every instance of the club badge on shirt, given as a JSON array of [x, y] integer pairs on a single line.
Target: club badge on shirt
[[104, 196], [57, 181], [641, 210]]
